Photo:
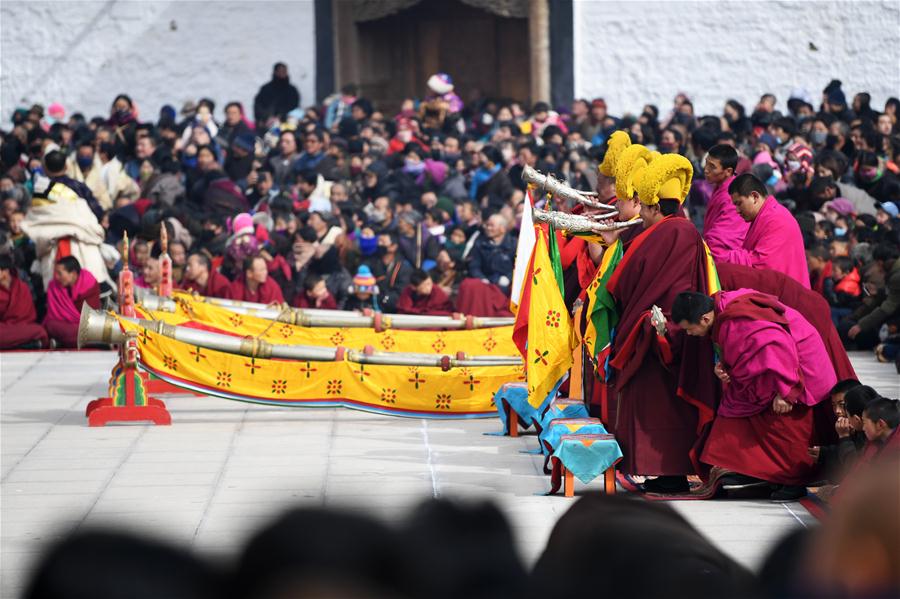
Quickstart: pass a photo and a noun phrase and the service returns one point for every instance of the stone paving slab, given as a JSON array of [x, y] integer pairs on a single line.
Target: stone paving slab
[[225, 468]]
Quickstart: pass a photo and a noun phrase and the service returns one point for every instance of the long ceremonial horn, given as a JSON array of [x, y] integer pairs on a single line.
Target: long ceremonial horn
[[558, 188], [576, 223], [335, 318], [101, 327]]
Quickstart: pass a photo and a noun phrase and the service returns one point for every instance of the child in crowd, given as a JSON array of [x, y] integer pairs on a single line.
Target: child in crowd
[[315, 294], [363, 292], [833, 459], [880, 420], [844, 291]]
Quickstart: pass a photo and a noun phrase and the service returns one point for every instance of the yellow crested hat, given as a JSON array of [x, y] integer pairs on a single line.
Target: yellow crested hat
[[631, 162], [618, 141], [667, 177]]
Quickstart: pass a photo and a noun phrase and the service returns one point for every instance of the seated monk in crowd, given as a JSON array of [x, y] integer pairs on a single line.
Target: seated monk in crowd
[[200, 277], [774, 369], [18, 318], [315, 294], [422, 296], [71, 287], [253, 284]]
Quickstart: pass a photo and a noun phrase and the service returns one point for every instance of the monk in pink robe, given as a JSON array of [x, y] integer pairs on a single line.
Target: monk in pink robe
[[71, 288], [723, 227], [773, 239], [774, 369], [18, 318]]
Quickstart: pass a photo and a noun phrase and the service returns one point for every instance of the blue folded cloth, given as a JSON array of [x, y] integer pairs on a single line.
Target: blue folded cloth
[[555, 429], [515, 395], [587, 456], [564, 408]]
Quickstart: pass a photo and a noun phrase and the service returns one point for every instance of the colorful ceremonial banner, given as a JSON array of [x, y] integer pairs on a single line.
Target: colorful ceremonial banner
[[712, 275], [602, 316], [494, 341], [422, 392], [551, 337]]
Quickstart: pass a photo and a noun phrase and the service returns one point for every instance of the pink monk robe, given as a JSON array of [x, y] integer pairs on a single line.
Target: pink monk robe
[[769, 350], [64, 307], [723, 227], [773, 241]]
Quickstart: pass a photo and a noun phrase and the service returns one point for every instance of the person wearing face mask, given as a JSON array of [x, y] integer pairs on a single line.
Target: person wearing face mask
[[875, 179], [123, 120], [491, 185], [392, 271], [85, 167]]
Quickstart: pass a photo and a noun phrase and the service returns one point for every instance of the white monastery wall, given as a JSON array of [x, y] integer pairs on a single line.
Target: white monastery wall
[[636, 52], [83, 54]]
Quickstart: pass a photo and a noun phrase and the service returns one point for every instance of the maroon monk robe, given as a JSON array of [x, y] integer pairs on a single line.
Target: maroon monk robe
[[301, 300], [789, 292], [266, 293], [435, 304], [18, 318], [477, 298], [663, 408], [217, 285]]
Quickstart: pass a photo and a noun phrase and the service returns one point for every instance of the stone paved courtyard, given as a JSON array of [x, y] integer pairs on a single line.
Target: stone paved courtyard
[[224, 468]]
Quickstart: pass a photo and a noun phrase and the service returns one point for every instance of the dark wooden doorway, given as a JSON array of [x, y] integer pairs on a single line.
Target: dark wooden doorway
[[485, 54]]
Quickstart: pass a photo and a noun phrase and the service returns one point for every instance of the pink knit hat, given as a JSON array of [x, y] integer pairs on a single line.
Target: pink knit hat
[[243, 224]]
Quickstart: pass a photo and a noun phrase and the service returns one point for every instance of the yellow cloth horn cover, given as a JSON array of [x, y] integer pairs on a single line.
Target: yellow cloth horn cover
[[631, 159], [618, 141], [668, 178]]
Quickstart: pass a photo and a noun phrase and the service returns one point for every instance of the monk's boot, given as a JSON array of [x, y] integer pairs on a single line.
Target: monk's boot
[[667, 485], [787, 493]]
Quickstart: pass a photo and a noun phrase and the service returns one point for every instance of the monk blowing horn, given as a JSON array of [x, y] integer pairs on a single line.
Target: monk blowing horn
[[102, 327], [551, 185], [576, 223], [332, 318]]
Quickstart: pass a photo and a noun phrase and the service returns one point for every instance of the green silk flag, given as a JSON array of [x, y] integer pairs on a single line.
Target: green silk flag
[[556, 261], [601, 310]]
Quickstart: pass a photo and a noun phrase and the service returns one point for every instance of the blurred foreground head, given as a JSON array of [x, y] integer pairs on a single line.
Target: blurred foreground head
[[109, 565], [857, 551], [629, 547]]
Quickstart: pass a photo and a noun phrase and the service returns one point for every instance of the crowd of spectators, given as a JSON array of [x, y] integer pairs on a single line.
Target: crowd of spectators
[[342, 205]]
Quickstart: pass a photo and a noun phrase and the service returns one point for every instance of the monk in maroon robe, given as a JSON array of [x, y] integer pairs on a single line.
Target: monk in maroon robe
[[18, 318], [810, 304], [665, 385], [255, 285], [71, 288], [200, 277], [422, 296]]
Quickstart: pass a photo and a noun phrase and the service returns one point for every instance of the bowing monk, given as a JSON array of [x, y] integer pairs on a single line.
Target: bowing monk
[[422, 296], [773, 239], [71, 288], [774, 369], [665, 385], [723, 227], [200, 277], [254, 284], [18, 318]]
